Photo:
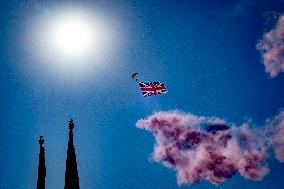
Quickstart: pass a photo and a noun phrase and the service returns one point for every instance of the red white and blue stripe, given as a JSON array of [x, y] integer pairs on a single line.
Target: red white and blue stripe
[[152, 88]]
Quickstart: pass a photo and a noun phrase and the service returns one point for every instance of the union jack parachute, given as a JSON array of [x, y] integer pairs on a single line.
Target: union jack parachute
[[152, 88]]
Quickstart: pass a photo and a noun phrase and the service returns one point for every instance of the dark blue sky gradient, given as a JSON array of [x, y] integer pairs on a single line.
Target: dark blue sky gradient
[[204, 51]]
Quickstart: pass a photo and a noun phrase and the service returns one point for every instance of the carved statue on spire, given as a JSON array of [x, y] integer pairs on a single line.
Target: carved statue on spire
[[71, 124], [41, 140]]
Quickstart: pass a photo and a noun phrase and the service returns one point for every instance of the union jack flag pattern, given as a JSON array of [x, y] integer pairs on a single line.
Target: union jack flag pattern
[[152, 88]]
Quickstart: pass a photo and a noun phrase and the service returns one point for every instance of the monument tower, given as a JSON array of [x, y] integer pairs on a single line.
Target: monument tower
[[71, 174], [41, 166]]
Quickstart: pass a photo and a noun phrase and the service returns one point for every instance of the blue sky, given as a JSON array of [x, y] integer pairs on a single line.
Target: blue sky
[[204, 51]]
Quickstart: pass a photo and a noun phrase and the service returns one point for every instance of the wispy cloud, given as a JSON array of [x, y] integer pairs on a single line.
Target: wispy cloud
[[271, 47], [276, 125], [208, 148]]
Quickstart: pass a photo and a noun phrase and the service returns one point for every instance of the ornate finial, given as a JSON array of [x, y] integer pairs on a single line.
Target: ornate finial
[[41, 141], [71, 124]]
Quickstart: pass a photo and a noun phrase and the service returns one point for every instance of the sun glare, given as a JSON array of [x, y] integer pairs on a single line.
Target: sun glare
[[73, 36], [73, 39]]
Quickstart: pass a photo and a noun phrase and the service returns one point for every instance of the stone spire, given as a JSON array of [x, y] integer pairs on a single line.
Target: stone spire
[[71, 174], [41, 166]]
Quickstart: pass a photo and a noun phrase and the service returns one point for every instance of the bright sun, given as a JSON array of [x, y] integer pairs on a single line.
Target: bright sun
[[73, 36]]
